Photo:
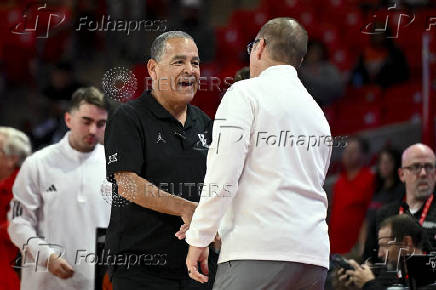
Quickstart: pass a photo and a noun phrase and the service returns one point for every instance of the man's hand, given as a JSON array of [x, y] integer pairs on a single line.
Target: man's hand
[[344, 279], [361, 274], [198, 255], [188, 212], [181, 234], [217, 242], [59, 267]]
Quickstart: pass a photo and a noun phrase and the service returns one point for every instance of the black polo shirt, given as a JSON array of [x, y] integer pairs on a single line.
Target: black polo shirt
[[143, 137]]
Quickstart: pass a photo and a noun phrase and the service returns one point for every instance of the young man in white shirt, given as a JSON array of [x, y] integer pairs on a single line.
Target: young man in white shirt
[[268, 159], [57, 201]]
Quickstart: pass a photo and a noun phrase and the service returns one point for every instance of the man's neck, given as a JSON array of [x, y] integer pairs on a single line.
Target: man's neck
[[352, 173], [178, 111], [388, 183], [413, 203], [75, 147]]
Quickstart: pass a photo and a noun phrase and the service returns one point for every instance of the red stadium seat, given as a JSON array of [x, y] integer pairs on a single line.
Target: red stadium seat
[[289, 8], [305, 11], [342, 57], [249, 22], [353, 118], [366, 95], [231, 43], [403, 103]]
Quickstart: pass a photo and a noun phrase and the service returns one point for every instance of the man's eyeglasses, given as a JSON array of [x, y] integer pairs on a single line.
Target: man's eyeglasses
[[251, 44], [416, 168]]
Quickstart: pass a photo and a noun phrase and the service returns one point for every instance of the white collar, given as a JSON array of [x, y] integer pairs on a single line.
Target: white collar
[[276, 69]]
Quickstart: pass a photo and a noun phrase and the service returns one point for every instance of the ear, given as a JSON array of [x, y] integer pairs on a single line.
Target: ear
[[12, 161], [151, 67], [261, 48], [68, 119], [401, 174], [301, 62]]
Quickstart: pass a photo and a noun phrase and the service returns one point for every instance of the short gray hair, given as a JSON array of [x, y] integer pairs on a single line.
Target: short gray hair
[[158, 45], [286, 40], [16, 143]]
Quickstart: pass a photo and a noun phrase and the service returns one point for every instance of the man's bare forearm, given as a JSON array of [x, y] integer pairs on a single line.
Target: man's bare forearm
[[142, 192]]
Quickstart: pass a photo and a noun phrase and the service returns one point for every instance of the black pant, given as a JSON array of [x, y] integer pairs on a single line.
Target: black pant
[[133, 279]]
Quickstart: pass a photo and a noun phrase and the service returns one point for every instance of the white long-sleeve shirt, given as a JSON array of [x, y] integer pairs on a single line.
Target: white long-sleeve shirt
[[265, 174], [57, 207]]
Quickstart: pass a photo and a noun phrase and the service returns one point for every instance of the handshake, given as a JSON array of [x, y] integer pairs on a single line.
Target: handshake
[[186, 216]]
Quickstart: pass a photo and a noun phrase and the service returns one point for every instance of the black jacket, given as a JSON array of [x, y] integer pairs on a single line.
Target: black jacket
[[393, 208]]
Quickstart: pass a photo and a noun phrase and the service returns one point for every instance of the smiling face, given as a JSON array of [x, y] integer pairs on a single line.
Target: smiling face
[[176, 74], [87, 124]]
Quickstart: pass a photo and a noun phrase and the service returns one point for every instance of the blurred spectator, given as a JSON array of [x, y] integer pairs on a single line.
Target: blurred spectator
[[62, 85], [388, 188], [419, 176], [192, 23], [242, 74], [62, 82], [352, 195], [14, 148], [321, 78], [381, 63], [399, 235]]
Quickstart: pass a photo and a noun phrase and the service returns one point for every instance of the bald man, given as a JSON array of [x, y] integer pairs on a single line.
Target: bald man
[[268, 202], [418, 174]]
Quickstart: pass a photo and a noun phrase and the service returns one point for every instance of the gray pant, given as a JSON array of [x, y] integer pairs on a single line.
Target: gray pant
[[280, 275]]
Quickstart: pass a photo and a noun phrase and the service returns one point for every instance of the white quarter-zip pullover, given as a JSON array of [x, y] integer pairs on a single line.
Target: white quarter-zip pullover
[[265, 173], [57, 208]]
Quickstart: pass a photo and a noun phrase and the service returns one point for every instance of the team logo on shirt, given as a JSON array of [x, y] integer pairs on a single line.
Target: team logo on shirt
[[202, 139], [160, 139], [51, 188], [112, 158]]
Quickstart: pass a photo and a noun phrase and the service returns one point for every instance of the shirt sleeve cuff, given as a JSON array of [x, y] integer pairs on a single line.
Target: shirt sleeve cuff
[[193, 238], [40, 251]]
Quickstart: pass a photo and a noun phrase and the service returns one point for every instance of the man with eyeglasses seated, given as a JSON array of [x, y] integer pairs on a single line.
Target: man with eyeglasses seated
[[399, 235], [418, 174]]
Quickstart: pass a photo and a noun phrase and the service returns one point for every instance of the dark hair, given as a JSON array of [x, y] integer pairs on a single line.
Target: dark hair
[[318, 43], [396, 158], [363, 144], [286, 40], [91, 96], [242, 74], [405, 225]]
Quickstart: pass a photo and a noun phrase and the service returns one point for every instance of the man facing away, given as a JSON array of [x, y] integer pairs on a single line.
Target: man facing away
[[269, 203], [58, 204]]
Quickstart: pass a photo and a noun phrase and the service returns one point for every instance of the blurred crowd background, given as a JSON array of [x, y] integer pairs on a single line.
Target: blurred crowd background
[[370, 65]]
